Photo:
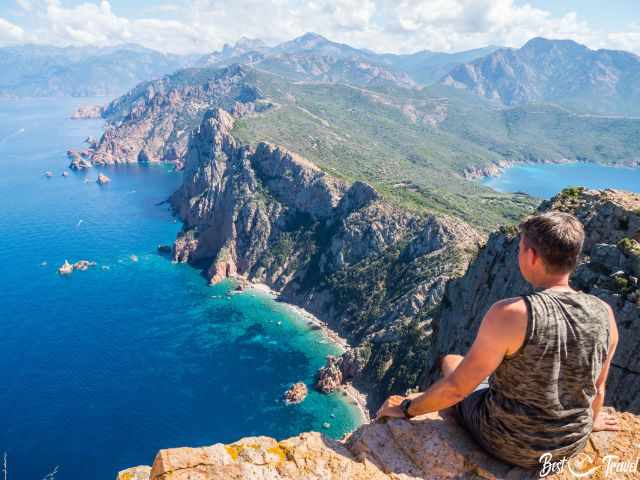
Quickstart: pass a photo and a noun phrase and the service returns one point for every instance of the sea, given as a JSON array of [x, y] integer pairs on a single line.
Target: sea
[[102, 368], [546, 180]]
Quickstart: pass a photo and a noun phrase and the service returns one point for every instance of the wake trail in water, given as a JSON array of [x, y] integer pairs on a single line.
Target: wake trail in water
[[12, 135]]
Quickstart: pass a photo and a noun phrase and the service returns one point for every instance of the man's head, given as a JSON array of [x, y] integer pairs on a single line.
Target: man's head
[[550, 244]]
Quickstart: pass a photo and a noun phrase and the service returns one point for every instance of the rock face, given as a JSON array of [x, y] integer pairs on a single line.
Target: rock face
[[296, 394], [371, 270], [608, 269], [152, 122], [428, 447], [87, 111]]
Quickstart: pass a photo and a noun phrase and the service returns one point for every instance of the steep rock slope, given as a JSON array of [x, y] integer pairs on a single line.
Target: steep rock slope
[[609, 268], [372, 271], [152, 122], [560, 71], [428, 447]]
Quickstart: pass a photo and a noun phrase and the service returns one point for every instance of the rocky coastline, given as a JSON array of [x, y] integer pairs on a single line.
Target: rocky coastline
[[352, 394], [497, 168]]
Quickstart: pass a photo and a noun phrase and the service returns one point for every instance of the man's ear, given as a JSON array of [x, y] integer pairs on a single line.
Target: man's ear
[[532, 256]]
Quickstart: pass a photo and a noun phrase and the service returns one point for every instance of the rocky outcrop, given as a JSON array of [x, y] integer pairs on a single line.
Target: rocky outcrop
[[428, 447], [607, 269], [296, 393], [87, 112], [66, 268], [102, 179], [152, 123], [79, 160], [371, 270], [330, 376]]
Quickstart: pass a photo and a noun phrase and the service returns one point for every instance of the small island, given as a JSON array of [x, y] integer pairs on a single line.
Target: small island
[[296, 394], [87, 112]]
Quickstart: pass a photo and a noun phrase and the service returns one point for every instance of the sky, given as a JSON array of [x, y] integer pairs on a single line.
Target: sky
[[397, 26]]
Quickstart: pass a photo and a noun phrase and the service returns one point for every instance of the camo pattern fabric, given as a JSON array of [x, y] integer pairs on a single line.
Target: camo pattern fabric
[[539, 399]]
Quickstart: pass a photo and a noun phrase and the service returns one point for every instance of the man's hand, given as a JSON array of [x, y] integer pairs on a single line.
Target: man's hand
[[606, 421], [391, 407]]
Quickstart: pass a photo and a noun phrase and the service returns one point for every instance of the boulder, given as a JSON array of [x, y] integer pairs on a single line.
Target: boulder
[[77, 162], [66, 268], [296, 394], [102, 179], [83, 265], [140, 472]]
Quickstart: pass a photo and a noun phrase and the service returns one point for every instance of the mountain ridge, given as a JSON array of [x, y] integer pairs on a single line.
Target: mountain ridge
[[561, 71]]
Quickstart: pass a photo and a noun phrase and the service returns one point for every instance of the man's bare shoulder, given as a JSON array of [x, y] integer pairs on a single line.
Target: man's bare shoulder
[[509, 314], [510, 307], [509, 320]]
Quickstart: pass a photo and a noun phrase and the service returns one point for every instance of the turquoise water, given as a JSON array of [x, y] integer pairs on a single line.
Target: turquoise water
[[544, 181], [101, 369]]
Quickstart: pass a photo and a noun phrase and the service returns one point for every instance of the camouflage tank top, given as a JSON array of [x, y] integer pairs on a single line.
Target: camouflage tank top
[[539, 399]]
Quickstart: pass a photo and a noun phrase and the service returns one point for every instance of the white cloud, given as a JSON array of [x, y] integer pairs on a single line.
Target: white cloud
[[10, 33], [383, 25], [25, 5]]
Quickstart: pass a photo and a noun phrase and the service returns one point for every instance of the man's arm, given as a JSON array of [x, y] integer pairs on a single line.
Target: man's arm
[[501, 333], [602, 420]]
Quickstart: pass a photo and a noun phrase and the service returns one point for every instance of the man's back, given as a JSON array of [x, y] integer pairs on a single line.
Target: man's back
[[540, 398]]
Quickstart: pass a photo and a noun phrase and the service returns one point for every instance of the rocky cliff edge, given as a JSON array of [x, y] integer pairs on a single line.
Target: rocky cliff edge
[[427, 447]]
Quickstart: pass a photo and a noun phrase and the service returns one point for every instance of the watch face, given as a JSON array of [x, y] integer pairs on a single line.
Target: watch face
[[404, 406]]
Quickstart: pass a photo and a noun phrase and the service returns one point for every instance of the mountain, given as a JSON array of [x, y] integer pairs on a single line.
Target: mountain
[[426, 67], [312, 57], [556, 71], [418, 148], [38, 71], [243, 46]]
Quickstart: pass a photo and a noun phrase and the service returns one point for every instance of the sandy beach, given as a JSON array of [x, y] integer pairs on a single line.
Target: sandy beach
[[356, 396]]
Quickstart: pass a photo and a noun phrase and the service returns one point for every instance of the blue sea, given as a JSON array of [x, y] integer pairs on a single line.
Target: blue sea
[[101, 369], [546, 180]]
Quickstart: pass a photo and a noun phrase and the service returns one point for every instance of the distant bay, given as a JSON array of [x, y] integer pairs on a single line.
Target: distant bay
[[102, 368], [546, 180]]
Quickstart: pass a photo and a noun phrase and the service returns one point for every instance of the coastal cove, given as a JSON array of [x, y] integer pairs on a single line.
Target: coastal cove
[[546, 180], [104, 367]]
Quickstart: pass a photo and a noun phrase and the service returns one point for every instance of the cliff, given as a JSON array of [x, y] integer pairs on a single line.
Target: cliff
[[428, 447], [372, 271], [403, 288], [609, 268], [152, 122]]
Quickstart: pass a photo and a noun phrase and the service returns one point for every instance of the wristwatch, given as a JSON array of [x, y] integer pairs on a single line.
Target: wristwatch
[[404, 406]]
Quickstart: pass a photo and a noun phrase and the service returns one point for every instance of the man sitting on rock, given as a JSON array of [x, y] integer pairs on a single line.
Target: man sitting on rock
[[546, 356]]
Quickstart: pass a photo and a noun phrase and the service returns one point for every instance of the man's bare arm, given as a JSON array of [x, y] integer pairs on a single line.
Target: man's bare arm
[[602, 420], [501, 333]]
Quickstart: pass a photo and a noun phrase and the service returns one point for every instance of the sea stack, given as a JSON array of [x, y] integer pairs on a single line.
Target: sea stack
[[83, 265], [77, 162], [66, 268], [296, 394], [102, 179]]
